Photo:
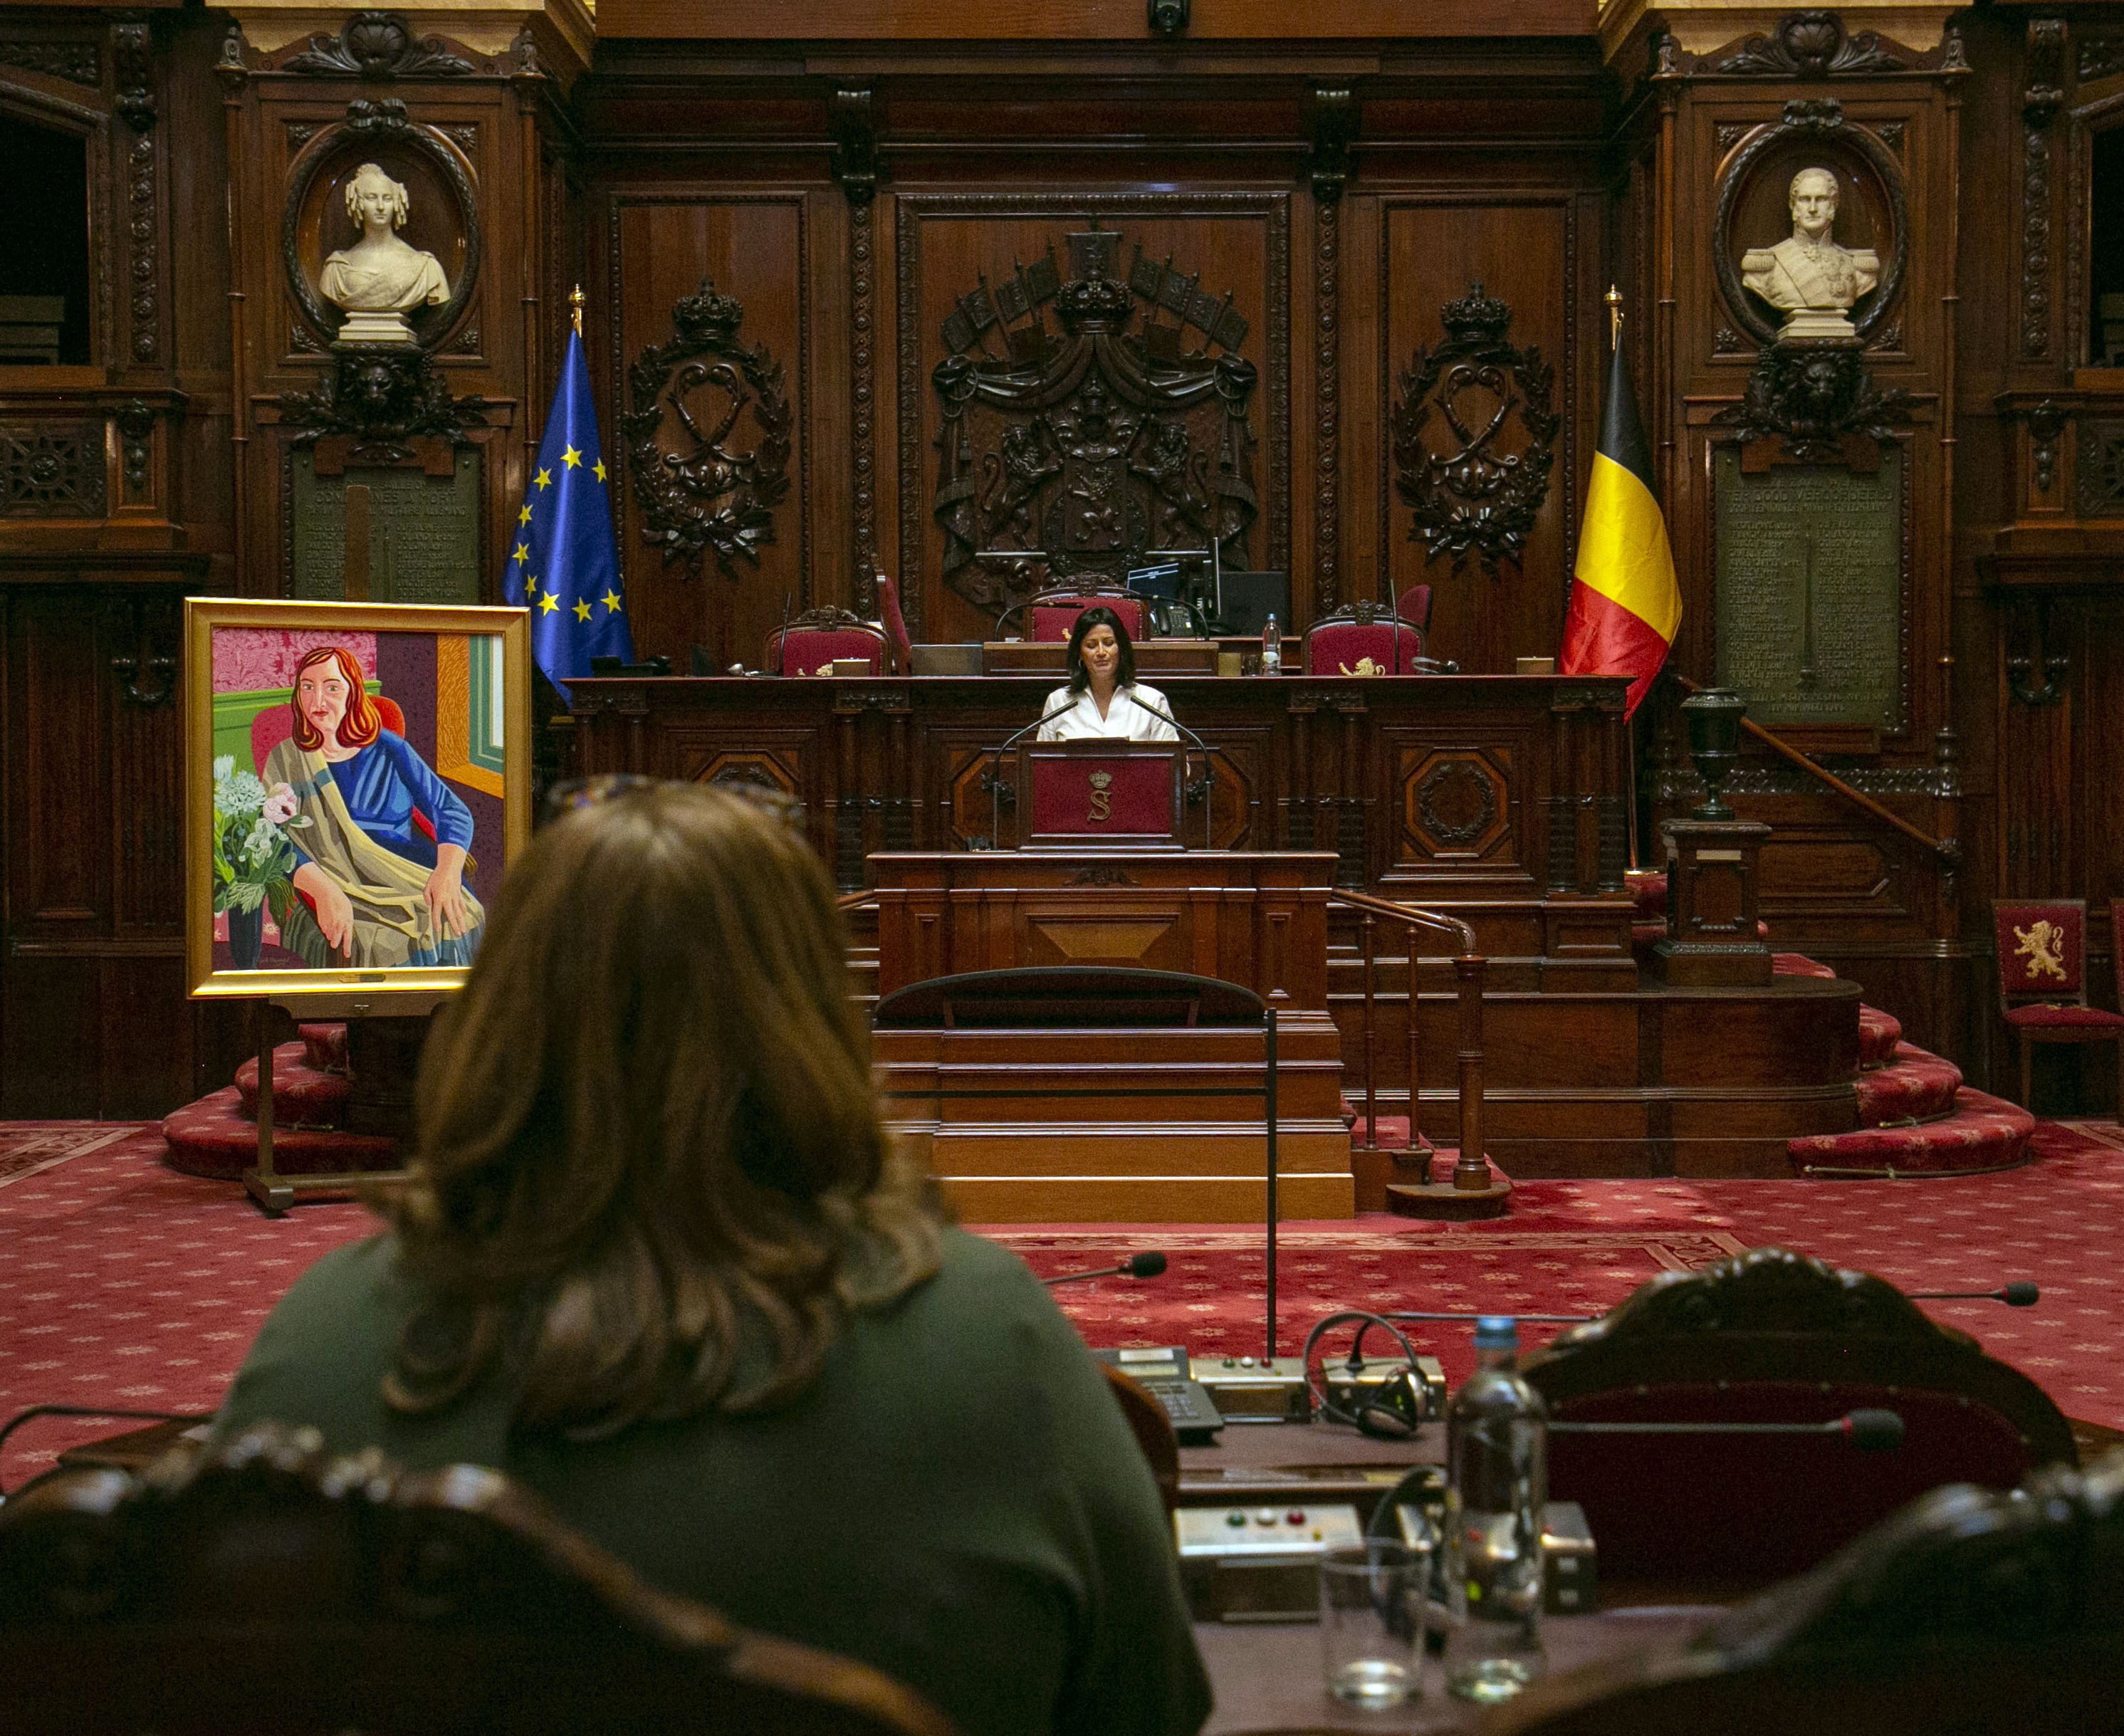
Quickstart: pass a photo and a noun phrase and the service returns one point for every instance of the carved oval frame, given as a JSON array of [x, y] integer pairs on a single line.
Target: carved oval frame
[[432, 326], [1824, 121]]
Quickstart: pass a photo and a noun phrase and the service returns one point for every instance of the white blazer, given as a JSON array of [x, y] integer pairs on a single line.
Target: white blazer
[[1077, 719]]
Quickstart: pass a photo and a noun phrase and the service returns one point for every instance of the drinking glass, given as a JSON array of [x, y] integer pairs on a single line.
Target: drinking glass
[[1371, 1621]]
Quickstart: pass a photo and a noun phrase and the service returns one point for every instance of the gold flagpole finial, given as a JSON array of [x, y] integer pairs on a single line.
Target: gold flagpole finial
[[1613, 297], [576, 309]]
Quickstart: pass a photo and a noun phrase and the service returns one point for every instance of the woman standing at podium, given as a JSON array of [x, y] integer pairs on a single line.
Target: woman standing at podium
[[1103, 698]]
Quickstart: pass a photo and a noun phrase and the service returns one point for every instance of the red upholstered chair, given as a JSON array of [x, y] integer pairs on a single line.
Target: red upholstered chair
[[1053, 614], [1363, 639], [1769, 1336], [2042, 984], [1413, 606], [812, 643], [895, 624]]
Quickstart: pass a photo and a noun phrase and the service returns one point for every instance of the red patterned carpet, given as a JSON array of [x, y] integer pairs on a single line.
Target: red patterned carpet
[[121, 1282]]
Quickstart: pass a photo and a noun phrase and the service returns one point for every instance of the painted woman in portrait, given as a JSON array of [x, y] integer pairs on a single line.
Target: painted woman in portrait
[[380, 868]]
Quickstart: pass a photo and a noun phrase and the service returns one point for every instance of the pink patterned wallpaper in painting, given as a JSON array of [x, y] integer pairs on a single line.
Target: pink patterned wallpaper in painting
[[251, 658]]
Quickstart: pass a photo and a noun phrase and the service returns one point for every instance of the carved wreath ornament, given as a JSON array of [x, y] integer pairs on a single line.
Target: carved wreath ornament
[[1477, 490], [700, 491]]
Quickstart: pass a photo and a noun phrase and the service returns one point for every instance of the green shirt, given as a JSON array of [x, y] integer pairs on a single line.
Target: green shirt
[[956, 1500]]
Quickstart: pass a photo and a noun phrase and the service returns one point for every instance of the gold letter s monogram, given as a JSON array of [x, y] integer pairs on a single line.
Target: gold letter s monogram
[[1102, 807]]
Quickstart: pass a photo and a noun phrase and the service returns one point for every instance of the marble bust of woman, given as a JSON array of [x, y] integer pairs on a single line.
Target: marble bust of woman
[[374, 281]]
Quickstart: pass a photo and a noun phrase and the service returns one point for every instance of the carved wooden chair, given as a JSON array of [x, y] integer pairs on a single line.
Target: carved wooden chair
[[1053, 614], [1968, 1610], [816, 640], [2043, 985], [264, 1587], [895, 624], [1413, 606], [1153, 1430], [1364, 638], [1769, 1336]]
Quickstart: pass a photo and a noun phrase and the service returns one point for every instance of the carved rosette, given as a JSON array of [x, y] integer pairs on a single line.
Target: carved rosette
[[1477, 487], [1820, 403], [378, 45], [691, 401]]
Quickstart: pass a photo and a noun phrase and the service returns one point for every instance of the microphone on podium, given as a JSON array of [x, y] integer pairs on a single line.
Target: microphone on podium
[[1136, 1266], [1866, 1429], [2021, 1293]]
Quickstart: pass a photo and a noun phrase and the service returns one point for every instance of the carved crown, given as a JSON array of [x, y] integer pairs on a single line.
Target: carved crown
[[1475, 318], [1094, 303], [707, 316], [1100, 780]]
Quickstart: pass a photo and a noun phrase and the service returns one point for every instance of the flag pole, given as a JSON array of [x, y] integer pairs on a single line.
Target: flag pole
[[1614, 301], [576, 309]]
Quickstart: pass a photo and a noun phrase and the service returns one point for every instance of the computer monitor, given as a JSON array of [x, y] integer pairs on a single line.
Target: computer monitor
[[1245, 600], [1162, 581]]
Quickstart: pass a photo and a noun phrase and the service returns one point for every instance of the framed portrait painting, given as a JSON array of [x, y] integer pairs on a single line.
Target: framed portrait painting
[[357, 776]]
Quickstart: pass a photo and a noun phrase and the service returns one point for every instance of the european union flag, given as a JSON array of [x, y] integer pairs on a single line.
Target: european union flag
[[562, 563]]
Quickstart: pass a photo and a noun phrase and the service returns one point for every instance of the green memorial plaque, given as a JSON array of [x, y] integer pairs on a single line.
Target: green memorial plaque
[[1808, 583], [423, 532]]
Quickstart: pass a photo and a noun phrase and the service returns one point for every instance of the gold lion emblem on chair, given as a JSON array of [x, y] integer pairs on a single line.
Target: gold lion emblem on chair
[[2042, 947], [1365, 666]]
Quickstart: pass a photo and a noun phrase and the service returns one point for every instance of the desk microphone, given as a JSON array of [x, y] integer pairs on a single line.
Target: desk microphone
[[1136, 1266], [2021, 1293], [1867, 1430]]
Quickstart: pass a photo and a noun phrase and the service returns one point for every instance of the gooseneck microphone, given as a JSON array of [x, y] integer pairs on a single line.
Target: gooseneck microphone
[[2021, 1293], [1136, 1266], [1867, 1430]]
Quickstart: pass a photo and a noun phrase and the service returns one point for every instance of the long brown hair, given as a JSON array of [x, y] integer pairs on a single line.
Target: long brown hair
[[651, 1176], [358, 723]]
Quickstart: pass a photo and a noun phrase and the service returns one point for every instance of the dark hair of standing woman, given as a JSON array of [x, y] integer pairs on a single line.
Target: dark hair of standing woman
[[651, 1179], [1099, 615]]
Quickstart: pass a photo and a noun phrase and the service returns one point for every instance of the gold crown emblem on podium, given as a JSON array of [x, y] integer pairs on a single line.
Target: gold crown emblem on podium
[[1100, 780]]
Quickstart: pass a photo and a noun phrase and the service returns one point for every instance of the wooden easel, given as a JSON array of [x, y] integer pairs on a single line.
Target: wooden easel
[[275, 1194]]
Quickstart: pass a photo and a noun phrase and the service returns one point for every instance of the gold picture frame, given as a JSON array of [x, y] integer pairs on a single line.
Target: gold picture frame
[[245, 863]]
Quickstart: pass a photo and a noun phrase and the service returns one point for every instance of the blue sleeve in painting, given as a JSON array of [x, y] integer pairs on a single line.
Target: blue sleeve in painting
[[445, 810]]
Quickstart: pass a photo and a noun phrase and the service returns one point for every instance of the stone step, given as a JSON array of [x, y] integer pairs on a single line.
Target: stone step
[[303, 1096], [214, 1138], [1917, 1085], [1984, 1133]]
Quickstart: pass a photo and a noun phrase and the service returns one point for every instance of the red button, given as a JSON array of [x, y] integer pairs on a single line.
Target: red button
[[1296, 1516]]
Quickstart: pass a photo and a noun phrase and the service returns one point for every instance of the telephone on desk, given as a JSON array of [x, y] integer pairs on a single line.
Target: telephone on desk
[[1165, 1374]]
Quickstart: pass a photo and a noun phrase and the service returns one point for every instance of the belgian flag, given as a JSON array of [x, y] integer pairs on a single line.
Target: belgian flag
[[1625, 605]]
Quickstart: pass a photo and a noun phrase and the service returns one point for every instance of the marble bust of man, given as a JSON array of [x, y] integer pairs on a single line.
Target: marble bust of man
[[374, 281], [1808, 274]]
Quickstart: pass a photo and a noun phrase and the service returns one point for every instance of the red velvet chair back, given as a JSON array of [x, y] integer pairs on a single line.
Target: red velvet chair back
[[812, 643], [1769, 1336], [2043, 950], [895, 623], [1762, 1505], [1054, 613], [1413, 606], [1363, 640]]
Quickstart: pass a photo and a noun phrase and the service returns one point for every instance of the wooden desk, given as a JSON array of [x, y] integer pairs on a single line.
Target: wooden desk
[[1499, 797], [1046, 1140]]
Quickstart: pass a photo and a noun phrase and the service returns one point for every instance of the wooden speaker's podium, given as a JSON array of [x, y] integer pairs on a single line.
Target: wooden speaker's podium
[[1106, 795], [1123, 1122]]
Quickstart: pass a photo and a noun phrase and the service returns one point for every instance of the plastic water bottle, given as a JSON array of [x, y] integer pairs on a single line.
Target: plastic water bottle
[[1271, 647], [1497, 1430]]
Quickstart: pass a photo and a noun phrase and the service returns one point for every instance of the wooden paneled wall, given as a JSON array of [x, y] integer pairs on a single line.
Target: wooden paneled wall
[[1342, 189]]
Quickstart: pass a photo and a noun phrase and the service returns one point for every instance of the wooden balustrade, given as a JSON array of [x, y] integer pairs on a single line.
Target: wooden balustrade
[[1470, 1172]]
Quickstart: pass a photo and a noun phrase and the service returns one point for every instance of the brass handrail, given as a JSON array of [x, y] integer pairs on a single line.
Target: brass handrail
[[1471, 1171], [854, 900], [1946, 849]]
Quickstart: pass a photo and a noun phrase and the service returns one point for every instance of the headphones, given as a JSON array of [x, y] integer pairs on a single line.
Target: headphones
[[1390, 1410]]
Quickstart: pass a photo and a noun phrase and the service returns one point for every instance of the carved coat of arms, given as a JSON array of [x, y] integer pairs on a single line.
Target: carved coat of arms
[[1079, 452]]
